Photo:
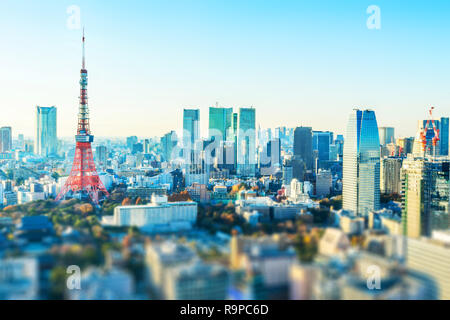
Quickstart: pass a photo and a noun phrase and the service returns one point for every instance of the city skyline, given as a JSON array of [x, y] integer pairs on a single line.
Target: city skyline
[[153, 88]]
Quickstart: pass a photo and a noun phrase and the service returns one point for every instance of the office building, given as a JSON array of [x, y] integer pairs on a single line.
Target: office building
[[425, 201], [199, 281], [109, 284], [146, 146], [321, 143], [361, 167], [46, 138], [324, 182], [158, 215], [270, 157], [390, 181], [5, 139], [431, 257], [19, 279], [131, 141], [161, 258], [287, 171], [302, 161], [444, 132], [387, 135], [220, 123], [191, 127], [168, 143], [405, 145], [101, 155], [246, 142]]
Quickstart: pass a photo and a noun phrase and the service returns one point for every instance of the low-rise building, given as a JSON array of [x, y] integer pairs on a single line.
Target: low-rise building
[[96, 284], [198, 281], [19, 279], [158, 215]]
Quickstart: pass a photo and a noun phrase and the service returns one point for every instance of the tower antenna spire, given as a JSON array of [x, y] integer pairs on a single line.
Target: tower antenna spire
[[83, 65]]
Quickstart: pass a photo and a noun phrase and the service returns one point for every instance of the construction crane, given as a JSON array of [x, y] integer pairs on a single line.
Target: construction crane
[[423, 133]]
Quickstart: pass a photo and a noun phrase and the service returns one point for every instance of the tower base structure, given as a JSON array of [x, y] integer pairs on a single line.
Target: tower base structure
[[83, 178]]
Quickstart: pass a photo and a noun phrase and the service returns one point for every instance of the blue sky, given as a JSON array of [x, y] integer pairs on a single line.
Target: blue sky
[[298, 62]]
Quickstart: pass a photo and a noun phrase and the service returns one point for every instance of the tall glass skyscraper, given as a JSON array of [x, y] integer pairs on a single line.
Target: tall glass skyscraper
[[303, 145], [5, 139], [361, 167], [46, 138], [191, 126], [444, 136], [321, 142], [246, 142], [220, 122]]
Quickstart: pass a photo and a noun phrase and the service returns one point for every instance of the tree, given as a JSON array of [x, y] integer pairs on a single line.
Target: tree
[[126, 201], [306, 248], [177, 197], [55, 175], [10, 174], [138, 200], [58, 278], [86, 208]]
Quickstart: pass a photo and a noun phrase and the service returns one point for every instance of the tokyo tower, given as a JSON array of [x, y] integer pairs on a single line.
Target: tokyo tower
[[83, 179]]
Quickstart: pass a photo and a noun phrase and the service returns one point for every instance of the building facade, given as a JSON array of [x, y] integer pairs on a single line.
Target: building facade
[[158, 215], [390, 181], [426, 200], [46, 138], [303, 148], [444, 132], [361, 164], [5, 139], [246, 142], [220, 123]]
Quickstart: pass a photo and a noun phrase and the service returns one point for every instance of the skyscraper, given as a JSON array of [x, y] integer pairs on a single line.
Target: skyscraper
[[444, 131], [390, 175], [321, 143], [387, 135], [168, 142], [195, 169], [5, 139], [131, 141], [361, 167], [246, 142], [146, 145], [303, 145], [191, 126], [220, 122], [101, 155], [426, 196], [269, 158], [46, 143]]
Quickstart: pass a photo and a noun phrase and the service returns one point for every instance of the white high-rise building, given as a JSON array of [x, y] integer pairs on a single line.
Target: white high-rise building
[[361, 168]]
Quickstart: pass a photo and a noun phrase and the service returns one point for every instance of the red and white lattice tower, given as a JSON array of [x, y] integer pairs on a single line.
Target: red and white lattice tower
[[83, 179]]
